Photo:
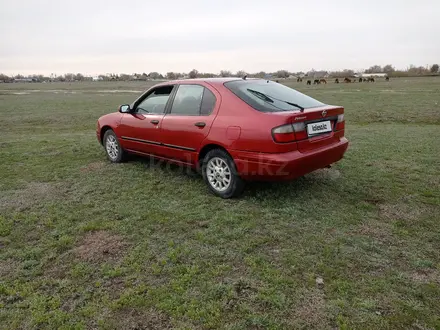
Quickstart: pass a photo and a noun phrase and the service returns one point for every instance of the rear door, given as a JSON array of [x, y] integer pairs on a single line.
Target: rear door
[[188, 122], [140, 129]]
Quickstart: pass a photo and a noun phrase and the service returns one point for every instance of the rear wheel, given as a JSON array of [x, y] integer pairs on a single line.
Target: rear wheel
[[220, 174], [112, 147]]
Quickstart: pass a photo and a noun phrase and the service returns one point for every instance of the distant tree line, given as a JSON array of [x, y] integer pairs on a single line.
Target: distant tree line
[[411, 71]]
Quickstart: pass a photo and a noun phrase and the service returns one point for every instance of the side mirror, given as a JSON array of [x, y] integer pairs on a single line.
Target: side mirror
[[125, 108]]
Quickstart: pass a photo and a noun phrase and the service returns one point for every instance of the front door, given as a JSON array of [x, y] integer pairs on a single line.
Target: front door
[[140, 129], [188, 122]]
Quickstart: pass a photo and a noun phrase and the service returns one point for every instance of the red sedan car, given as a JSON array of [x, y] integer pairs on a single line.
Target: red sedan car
[[232, 130]]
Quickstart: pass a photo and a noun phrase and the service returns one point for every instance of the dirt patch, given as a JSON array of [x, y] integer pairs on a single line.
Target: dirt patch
[[399, 212], [100, 246], [380, 231], [114, 286], [57, 271], [34, 193], [430, 276], [140, 319], [7, 267], [245, 290], [72, 303], [311, 311], [92, 167]]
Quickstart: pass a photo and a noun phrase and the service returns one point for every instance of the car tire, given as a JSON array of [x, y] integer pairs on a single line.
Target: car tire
[[220, 174], [112, 148]]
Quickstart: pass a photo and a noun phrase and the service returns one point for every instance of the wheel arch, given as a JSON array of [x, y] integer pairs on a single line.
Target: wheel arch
[[207, 148], [104, 129]]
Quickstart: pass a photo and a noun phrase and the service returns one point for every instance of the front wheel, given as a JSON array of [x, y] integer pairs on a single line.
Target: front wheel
[[220, 174], [112, 147]]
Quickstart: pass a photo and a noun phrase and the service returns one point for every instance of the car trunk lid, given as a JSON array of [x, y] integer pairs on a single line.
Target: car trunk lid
[[316, 127]]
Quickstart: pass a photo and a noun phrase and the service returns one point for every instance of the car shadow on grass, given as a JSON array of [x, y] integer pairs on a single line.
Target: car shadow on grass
[[280, 189], [307, 185], [166, 167]]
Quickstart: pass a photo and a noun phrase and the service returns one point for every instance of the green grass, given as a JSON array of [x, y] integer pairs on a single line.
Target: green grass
[[87, 244]]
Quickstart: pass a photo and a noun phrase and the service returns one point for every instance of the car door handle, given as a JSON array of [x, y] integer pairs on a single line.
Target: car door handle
[[200, 124], [155, 121]]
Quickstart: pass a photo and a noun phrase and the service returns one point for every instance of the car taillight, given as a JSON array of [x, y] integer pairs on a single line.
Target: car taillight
[[283, 134], [300, 131], [289, 133], [340, 123]]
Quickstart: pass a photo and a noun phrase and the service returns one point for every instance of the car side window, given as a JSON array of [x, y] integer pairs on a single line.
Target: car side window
[[156, 101], [188, 100]]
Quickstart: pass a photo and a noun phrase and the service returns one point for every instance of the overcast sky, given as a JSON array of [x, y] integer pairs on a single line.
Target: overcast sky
[[114, 36]]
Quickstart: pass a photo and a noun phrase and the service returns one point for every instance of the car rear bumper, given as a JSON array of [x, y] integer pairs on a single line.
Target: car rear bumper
[[286, 166]]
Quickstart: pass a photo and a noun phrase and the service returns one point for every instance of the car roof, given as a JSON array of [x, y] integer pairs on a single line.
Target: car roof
[[221, 80], [212, 81]]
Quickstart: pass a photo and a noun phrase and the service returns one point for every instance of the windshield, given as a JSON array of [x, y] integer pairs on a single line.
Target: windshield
[[269, 96]]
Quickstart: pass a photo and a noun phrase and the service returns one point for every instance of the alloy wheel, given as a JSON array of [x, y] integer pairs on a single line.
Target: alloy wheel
[[112, 147], [218, 174]]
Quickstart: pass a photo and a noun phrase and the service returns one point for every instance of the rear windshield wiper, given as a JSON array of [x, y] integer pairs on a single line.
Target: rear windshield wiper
[[292, 104], [264, 97], [270, 99]]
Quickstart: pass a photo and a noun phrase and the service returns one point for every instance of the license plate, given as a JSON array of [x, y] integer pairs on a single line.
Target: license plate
[[318, 128]]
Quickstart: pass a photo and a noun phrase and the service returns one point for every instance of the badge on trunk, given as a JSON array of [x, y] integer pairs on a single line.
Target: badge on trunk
[[324, 113]]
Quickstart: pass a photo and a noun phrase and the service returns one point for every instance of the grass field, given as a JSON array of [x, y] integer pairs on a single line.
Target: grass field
[[86, 244]]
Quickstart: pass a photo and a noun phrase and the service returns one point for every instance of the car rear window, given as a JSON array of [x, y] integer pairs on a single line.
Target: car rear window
[[269, 96]]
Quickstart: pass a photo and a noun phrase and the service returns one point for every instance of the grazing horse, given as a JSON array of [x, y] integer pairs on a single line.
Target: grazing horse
[[299, 80], [322, 81], [309, 82], [360, 79], [336, 81], [347, 80], [371, 79], [316, 82], [387, 78]]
